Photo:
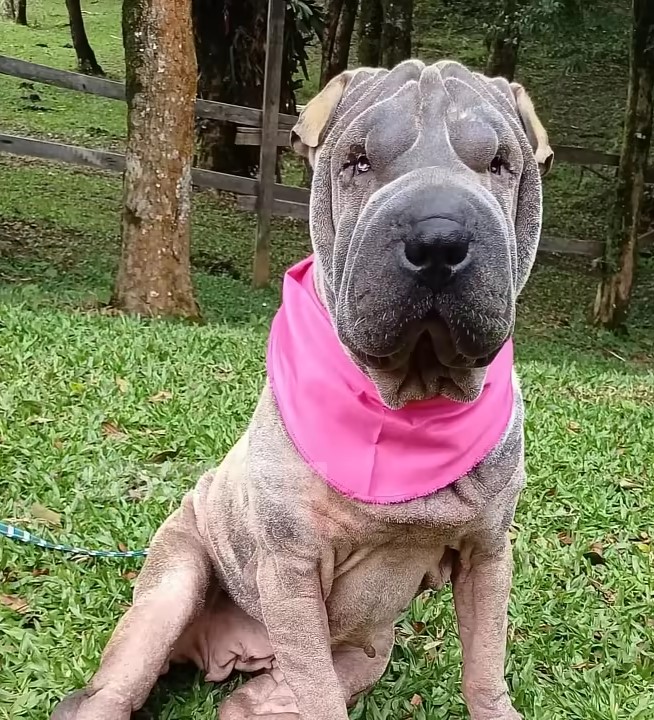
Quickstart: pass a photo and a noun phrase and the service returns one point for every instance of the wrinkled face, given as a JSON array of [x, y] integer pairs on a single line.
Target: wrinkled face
[[425, 216]]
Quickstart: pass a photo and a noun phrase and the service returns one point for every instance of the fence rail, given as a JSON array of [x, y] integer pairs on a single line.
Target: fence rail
[[113, 90], [288, 201]]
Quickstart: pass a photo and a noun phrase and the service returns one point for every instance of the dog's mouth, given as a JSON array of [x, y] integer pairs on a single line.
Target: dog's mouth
[[429, 349]]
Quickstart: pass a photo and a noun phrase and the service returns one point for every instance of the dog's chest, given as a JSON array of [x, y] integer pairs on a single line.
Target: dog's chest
[[373, 584]]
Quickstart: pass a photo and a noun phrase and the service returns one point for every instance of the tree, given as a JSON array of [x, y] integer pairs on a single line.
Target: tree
[[154, 274], [230, 40], [621, 250], [503, 41], [337, 38], [8, 9], [21, 12], [86, 61], [396, 32], [343, 42], [371, 18], [385, 32], [15, 10]]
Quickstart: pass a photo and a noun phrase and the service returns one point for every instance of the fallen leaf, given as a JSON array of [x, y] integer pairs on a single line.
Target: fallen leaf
[[416, 700], [596, 554], [565, 539], [418, 627], [432, 645], [164, 455], [161, 396], [15, 603], [574, 427], [40, 512], [580, 666], [58, 443], [130, 575], [643, 547], [37, 572], [122, 384], [122, 547], [40, 420], [111, 430], [627, 484]]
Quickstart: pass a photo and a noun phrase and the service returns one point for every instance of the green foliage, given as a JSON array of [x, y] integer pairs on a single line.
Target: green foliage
[[523, 18], [304, 25]]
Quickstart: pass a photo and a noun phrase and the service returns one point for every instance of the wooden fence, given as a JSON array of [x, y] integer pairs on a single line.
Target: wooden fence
[[262, 195]]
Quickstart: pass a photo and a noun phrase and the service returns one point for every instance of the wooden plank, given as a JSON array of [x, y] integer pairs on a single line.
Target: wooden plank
[[281, 208], [116, 91], [27, 147], [239, 114], [115, 162], [272, 82], [584, 156], [571, 246], [61, 78], [252, 136]]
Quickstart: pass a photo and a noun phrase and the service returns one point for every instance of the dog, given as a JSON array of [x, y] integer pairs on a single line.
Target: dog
[[385, 455]]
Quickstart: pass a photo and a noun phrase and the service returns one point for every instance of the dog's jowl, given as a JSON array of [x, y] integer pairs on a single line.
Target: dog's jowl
[[385, 455]]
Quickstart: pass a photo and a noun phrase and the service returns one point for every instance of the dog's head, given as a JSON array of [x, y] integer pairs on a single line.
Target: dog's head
[[425, 219]]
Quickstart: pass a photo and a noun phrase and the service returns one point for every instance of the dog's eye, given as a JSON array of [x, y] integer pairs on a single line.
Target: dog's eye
[[362, 164], [496, 166]]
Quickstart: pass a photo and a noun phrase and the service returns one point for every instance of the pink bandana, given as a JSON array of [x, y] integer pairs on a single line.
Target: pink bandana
[[333, 414]]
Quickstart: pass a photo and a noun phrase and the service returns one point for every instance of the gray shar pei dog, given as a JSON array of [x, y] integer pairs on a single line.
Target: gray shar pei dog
[[385, 455]]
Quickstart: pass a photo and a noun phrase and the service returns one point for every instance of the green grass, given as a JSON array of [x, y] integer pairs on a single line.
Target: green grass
[[82, 434]]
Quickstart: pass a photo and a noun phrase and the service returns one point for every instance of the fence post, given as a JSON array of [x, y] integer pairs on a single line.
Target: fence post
[[269, 128]]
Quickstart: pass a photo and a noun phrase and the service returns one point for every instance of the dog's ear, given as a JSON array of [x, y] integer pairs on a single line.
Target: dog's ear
[[316, 115], [536, 133]]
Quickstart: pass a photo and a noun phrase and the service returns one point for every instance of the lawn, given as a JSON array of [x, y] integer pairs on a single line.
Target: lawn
[[106, 420]]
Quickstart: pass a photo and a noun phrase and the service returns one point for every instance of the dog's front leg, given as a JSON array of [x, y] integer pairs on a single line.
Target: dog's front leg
[[296, 619], [169, 594], [482, 583]]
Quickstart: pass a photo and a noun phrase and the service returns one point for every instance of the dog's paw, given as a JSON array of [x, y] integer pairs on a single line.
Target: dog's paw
[[88, 705], [508, 713], [266, 697]]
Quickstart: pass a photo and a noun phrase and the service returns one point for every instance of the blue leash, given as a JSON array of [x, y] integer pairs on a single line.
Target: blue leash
[[14, 533]]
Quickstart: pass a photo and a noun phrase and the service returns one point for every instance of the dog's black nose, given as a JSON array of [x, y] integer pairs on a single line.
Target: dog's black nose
[[437, 250]]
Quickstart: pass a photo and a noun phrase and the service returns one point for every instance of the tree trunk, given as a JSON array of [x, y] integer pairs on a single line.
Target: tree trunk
[[503, 43], [154, 276], [337, 39], [621, 250], [86, 61], [371, 18], [8, 9], [344, 34], [230, 42], [333, 15], [396, 32], [230, 47], [21, 12]]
